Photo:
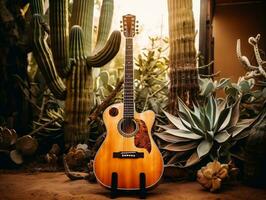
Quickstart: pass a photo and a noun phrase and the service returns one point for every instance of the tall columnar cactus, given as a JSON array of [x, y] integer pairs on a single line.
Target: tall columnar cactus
[[182, 57], [71, 56]]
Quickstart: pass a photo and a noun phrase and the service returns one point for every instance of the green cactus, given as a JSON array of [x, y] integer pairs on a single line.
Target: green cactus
[[71, 57], [182, 56]]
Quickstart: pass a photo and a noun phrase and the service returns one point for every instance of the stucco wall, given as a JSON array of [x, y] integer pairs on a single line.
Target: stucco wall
[[230, 23]]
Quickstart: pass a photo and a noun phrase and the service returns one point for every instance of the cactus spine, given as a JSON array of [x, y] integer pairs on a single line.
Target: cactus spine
[[182, 56], [72, 55]]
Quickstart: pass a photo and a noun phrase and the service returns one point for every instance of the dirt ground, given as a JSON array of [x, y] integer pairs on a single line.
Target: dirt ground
[[56, 186]]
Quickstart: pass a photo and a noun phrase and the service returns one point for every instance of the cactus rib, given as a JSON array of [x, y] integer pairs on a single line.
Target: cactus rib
[[43, 56], [107, 52], [79, 99], [59, 35], [82, 15], [104, 25], [37, 7], [77, 43]]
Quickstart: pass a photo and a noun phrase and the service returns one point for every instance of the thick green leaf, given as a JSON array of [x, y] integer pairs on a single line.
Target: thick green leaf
[[220, 107], [207, 124], [235, 113], [197, 131], [181, 147], [204, 148], [198, 123], [186, 121], [240, 127], [226, 121], [196, 110], [183, 134], [210, 133], [171, 138], [234, 131], [221, 119], [175, 120], [193, 159], [244, 86], [211, 111], [222, 137], [207, 89], [223, 83], [182, 107]]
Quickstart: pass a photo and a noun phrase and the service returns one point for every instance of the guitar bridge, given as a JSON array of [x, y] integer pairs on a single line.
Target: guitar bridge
[[128, 154]]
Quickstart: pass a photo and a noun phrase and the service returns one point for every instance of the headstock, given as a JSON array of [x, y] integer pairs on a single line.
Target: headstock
[[129, 25]]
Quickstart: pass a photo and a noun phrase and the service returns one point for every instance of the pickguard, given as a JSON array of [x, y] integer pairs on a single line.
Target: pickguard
[[142, 139]]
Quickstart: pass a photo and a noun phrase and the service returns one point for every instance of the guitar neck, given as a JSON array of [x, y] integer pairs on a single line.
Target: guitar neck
[[129, 80]]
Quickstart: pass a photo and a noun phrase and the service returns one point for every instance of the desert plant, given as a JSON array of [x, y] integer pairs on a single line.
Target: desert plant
[[209, 86], [71, 56], [182, 56], [251, 97], [16, 147], [105, 84], [210, 130], [214, 174], [150, 74]]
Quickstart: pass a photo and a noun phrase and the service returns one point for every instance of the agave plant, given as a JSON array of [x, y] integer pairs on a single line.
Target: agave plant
[[207, 130]]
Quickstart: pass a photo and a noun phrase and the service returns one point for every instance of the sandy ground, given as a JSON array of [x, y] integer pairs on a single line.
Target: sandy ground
[[56, 186]]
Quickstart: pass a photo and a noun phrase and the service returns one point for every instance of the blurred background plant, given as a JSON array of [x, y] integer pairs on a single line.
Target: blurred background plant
[[151, 76], [251, 97]]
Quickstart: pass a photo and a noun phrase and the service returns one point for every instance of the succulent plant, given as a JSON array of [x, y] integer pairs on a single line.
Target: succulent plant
[[208, 86], [71, 56], [77, 155], [214, 174], [151, 81], [207, 130], [26, 145], [8, 137], [251, 97], [17, 147]]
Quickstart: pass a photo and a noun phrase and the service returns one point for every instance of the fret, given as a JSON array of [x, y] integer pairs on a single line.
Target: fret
[[129, 106]]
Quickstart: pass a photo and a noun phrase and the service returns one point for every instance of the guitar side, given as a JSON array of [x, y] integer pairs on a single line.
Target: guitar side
[[127, 169]]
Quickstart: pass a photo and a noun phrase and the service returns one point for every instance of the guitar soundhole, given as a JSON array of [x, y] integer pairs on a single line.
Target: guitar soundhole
[[128, 127]]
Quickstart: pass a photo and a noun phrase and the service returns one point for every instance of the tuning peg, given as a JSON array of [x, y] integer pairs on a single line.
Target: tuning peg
[[121, 26], [137, 26], [137, 21], [121, 22]]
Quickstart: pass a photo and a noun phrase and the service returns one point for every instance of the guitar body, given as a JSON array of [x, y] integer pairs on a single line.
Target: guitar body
[[128, 156]]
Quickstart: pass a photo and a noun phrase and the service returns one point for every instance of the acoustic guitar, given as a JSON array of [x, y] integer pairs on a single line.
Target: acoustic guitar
[[128, 159]]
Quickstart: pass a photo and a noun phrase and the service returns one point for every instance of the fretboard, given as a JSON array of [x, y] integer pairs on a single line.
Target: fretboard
[[129, 80]]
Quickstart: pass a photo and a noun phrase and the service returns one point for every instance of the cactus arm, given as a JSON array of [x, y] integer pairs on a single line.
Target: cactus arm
[[43, 57], [82, 15], [243, 59], [107, 53], [105, 23], [77, 50], [59, 35]]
